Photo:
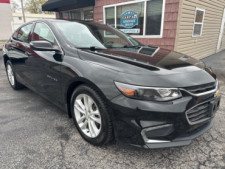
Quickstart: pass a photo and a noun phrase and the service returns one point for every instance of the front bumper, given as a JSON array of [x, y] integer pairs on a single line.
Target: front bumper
[[160, 124]]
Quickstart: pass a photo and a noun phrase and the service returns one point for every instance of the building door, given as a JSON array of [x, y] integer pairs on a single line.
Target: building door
[[221, 40]]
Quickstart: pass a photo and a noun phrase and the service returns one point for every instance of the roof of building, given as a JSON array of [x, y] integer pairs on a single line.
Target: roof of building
[[57, 5]]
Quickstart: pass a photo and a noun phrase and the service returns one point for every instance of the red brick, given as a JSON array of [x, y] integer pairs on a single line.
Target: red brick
[[170, 22]]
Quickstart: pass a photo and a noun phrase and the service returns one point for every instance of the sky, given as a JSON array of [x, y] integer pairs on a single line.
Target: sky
[[18, 2]]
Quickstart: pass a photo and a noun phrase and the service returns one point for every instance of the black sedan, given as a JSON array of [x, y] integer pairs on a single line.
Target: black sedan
[[113, 86]]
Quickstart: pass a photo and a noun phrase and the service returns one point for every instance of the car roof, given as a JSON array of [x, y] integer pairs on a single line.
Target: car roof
[[61, 20]]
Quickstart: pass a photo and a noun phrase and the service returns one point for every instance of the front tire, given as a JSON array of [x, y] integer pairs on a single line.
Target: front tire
[[11, 77], [91, 116]]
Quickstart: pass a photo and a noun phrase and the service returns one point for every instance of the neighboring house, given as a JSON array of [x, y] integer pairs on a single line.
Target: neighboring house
[[18, 18], [5, 19], [193, 27], [200, 30]]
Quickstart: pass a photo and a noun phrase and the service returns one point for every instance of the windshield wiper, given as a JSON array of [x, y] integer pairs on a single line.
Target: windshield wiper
[[92, 48], [135, 46]]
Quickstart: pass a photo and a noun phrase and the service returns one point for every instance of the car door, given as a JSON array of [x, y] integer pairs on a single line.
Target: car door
[[44, 69], [17, 51]]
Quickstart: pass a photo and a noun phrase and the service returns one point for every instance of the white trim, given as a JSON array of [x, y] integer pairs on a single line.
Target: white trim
[[103, 15], [162, 19], [125, 3], [199, 23], [144, 19], [115, 15], [221, 31], [144, 22]]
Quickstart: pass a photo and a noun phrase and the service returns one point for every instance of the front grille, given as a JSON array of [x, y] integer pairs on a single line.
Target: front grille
[[201, 88], [199, 113]]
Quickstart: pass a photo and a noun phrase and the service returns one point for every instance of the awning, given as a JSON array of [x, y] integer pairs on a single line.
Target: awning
[[59, 5]]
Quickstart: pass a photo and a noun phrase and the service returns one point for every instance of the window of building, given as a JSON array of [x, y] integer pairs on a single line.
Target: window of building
[[23, 33], [75, 14], [142, 18], [86, 14], [110, 16], [198, 22]]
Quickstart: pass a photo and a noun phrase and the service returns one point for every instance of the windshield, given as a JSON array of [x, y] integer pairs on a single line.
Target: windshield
[[86, 35]]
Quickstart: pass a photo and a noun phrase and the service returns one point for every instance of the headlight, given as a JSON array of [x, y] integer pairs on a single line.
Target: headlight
[[149, 93]]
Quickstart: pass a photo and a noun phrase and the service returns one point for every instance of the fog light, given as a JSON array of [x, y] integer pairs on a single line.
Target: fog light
[[159, 131]]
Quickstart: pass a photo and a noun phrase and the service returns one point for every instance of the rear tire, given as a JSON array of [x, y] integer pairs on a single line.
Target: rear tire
[[11, 77], [91, 116]]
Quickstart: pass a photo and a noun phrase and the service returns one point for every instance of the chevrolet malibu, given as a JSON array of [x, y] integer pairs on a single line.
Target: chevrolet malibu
[[114, 87]]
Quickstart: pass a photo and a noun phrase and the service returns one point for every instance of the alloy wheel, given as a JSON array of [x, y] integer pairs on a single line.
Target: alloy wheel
[[10, 75], [87, 115]]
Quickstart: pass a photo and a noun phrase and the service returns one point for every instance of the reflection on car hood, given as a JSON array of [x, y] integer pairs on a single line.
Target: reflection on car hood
[[151, 58]]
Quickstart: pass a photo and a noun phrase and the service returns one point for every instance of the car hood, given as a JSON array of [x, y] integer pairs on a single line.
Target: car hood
[[157, 60], [170, 68]]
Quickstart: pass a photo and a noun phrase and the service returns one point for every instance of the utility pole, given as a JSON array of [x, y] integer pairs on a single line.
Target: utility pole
[[24, 19]]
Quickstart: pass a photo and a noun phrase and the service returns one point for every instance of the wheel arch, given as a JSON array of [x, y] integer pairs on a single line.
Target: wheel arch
[[74, 84], [6, 58]]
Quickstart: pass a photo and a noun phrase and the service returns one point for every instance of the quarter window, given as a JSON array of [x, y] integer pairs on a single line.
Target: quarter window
[[23, 33], [198, 23], [42, 32], [131, 17]]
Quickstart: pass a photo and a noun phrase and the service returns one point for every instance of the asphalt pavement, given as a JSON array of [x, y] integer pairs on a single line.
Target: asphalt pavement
[[36, 134]]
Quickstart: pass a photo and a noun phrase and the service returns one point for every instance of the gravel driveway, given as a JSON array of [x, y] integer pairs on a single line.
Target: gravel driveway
[[36, 134]]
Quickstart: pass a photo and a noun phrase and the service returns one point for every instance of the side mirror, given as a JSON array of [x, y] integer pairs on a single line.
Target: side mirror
[[43, 46]]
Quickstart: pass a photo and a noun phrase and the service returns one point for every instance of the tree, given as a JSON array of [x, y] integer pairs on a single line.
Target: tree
[[15, 7], [35, 6]]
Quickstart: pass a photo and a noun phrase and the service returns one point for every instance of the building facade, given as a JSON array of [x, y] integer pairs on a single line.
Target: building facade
[[207, 19], [18, 18], [193, 27], [5, 19]]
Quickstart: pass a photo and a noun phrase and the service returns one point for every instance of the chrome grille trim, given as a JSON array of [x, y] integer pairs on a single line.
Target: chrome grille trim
[[203, 113], [203, 93]]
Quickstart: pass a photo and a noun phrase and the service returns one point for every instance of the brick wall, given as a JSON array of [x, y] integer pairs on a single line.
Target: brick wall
[[170, 22]]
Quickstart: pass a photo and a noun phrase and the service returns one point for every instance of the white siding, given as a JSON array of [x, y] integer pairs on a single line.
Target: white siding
[[206, 44], [5, 21]]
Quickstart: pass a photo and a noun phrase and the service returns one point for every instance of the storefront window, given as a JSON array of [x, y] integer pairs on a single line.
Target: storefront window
[[75, 14], [88, 14], [78, 14], [65, 15], [132, 19], [109, 16]]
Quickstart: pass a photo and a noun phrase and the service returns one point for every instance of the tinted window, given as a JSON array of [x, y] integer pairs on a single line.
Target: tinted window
[[23, 33], [87, 35], [15, 34], [42, 32]]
